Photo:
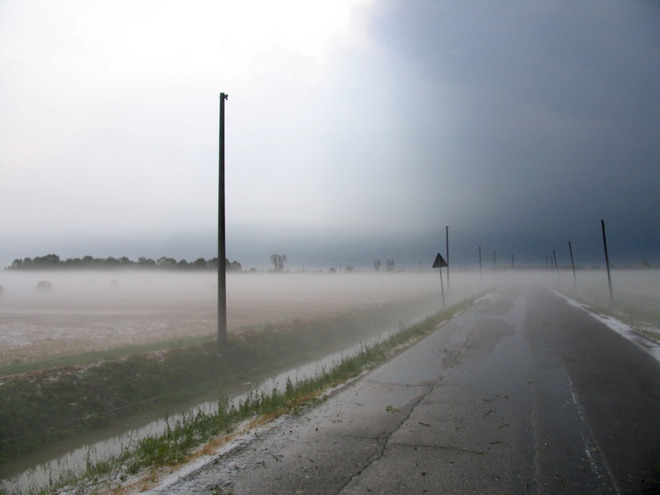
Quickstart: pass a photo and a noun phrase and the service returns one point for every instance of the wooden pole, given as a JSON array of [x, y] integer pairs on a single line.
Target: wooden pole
[[480, 266], [442, 286], [222, 269], [570, 250], [607, 262], [447, 246]]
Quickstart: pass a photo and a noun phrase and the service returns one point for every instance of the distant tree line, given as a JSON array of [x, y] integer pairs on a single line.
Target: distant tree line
[[53, 261]]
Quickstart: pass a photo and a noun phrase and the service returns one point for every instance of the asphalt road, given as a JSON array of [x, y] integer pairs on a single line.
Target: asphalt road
[[523, 393]]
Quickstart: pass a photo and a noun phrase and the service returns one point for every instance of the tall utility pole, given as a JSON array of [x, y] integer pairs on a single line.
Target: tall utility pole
[[447, 245], [222, 269], [570, 250], [479, 261], [607, 262]]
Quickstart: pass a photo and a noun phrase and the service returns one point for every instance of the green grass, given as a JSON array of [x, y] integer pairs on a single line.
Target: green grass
[[184, 436], [86, 358]]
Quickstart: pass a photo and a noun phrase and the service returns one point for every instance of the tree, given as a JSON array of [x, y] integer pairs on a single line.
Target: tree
[[376, 265], [234, 266], [390, 265], [166, 263], [88, 261], [278, 261], [200, 264], [111, 262], [146, 262], [124, 261], [48, 261]]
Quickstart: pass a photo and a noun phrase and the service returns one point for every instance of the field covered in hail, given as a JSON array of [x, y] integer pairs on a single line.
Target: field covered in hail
[[97, 311]]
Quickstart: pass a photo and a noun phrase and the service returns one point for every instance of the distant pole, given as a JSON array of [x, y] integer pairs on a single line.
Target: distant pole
[[554, 257], [222, 272], [607, 262], [570, 250], [494, 260], [511, 261], [480, 266], [442, 286], [447, 246]]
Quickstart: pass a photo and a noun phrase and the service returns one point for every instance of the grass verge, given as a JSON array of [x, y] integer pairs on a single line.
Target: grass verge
[[42, 407], [185, 436]]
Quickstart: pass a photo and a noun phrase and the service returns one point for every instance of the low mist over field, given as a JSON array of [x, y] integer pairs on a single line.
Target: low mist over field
[[86, 311]]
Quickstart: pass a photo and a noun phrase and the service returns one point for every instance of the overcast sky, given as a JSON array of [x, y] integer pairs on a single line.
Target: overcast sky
[[356, 129]]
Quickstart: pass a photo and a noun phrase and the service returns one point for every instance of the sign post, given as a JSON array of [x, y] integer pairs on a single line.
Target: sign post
[[440, 263]]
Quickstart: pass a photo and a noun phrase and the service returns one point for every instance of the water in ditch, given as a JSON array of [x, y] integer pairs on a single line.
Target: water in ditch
[[39, 469]]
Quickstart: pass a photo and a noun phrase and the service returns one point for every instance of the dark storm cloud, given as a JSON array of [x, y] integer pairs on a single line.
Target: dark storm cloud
[[518, 124], [554, 114]]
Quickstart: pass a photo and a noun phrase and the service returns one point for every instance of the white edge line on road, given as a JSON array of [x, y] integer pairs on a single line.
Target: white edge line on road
[[619, 327]]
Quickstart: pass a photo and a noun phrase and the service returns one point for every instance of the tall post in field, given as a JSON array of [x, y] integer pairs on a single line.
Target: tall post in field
[[222, 269], [570, 250], [447, 252], [480, 266], [607, 261]]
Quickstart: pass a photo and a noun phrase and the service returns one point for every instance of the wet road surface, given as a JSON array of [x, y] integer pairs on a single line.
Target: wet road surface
[[523, 393]]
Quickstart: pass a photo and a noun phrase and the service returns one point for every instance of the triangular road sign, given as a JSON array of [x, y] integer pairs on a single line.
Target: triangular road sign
[[439, 262]]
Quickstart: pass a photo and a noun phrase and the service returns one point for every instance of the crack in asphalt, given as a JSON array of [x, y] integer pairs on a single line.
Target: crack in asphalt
[[387, 438]]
